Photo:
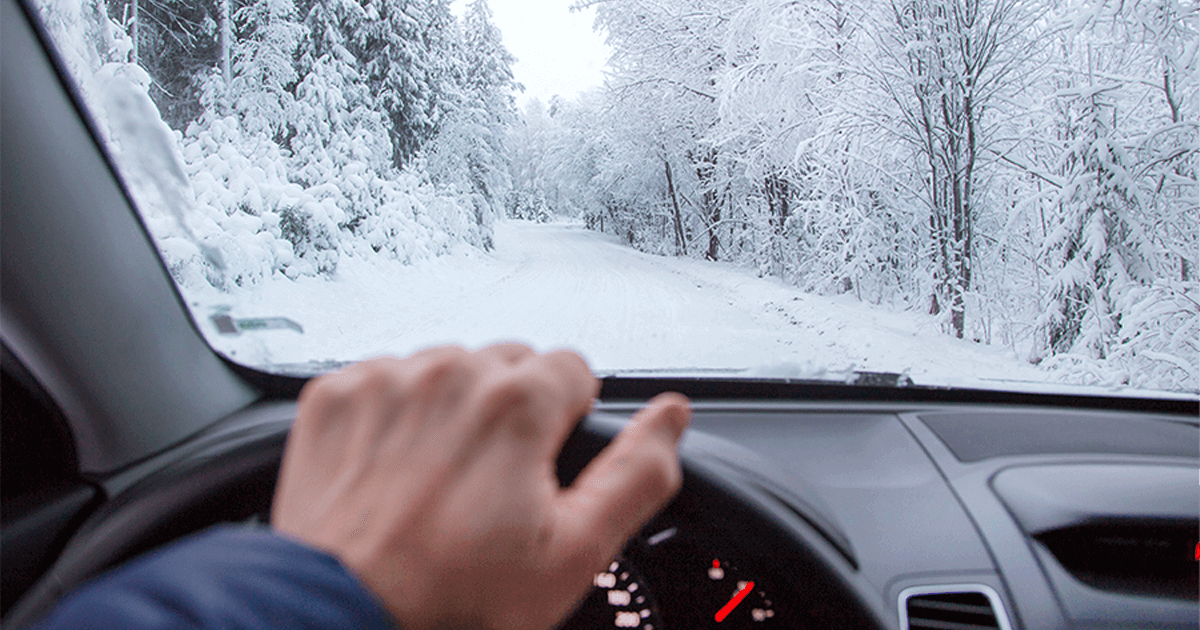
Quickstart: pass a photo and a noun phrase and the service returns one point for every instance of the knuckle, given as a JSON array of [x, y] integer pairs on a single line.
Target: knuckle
[[511, 351], [511, 399], [572, 374], [382, 360], [568, 358], [376, 380], [439, 352], [505, 392], [541, 381], [330, 388], [363, 383], [324, 401], [446, 371], [567, 362]]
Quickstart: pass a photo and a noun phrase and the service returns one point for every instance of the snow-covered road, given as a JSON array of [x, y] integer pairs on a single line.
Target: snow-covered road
[[560, 285]]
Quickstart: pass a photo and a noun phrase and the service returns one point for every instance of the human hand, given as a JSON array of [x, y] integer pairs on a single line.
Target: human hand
[[432, 478]]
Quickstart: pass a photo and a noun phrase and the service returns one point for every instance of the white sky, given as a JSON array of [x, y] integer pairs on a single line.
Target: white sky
[[557, 51]]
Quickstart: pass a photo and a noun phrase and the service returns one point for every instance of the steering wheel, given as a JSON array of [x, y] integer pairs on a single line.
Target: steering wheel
[[229, 475]]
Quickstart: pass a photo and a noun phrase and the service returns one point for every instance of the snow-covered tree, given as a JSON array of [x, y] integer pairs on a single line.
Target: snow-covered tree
[[789, 98], [341, 141], [264, 70], [1096, 244], [944, 64], [407, 48], [336, 121], [470, 149], [667, 56], [173, 40]]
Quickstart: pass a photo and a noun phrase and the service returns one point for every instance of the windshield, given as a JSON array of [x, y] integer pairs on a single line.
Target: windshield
[[972, 193]]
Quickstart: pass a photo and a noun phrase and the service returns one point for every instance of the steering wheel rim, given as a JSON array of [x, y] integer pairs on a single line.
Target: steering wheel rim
[[229, 476]]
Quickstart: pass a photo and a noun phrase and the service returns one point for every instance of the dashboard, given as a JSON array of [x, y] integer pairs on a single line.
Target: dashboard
[[931, 516], [805, 515]]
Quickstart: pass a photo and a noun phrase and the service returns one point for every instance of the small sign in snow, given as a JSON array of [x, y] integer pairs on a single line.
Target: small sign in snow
[[227, 325]]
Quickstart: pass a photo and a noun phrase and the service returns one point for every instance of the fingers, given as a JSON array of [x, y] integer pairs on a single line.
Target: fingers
[[452, 397], [581, 390], [540, 395], [582, 386], [631, 480], [563, 365]]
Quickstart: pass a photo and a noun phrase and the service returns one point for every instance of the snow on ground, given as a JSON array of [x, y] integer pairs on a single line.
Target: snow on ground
[[559, 285]]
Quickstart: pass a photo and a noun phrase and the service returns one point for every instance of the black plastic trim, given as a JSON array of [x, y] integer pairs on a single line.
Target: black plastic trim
[[614, 388], [621, 388], [54, 419], [273, 386], [31, 540], [229, 480]]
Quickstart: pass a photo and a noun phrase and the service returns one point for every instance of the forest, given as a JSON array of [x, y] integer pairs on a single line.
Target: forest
[[1024, 171], [274, 137]]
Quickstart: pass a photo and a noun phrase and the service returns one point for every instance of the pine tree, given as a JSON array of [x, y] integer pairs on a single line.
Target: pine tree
[[406, 47], [1096, 246], [336, 122], [341, 143], [264, 71]]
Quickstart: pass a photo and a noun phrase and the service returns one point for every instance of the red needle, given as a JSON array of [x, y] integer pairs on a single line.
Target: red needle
[[737, 599]]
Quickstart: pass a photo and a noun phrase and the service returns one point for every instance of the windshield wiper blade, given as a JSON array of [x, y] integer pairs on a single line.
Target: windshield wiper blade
[[782, 373]]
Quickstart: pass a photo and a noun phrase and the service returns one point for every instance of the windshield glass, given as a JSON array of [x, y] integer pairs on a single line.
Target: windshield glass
[[973, 193]]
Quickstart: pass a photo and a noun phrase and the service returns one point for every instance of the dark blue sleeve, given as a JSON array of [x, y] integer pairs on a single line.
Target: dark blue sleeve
[[225, 578]]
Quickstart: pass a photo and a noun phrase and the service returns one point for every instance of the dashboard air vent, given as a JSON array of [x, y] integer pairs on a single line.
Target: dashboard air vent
[[952, 607]]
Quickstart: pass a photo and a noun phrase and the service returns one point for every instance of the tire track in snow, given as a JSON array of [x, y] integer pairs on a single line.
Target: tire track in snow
[[558, 285]]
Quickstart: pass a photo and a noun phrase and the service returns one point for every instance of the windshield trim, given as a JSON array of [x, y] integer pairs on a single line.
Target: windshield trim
[[618, 389]]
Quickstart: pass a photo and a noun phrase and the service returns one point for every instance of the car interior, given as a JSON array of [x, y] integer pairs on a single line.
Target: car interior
[[814, 505]]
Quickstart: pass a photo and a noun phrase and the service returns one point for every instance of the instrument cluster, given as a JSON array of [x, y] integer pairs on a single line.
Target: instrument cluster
[[675, 576]]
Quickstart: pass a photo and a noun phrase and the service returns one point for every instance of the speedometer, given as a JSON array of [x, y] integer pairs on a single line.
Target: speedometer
[[677, 578], [703, 579], [620, 599], [735, 599]]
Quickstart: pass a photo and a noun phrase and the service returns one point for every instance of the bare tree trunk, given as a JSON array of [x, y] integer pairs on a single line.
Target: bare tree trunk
[[952, 63], [778, 191], [226, 42], [680, 240], [714, 217], [135, 33], [710, 206]]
